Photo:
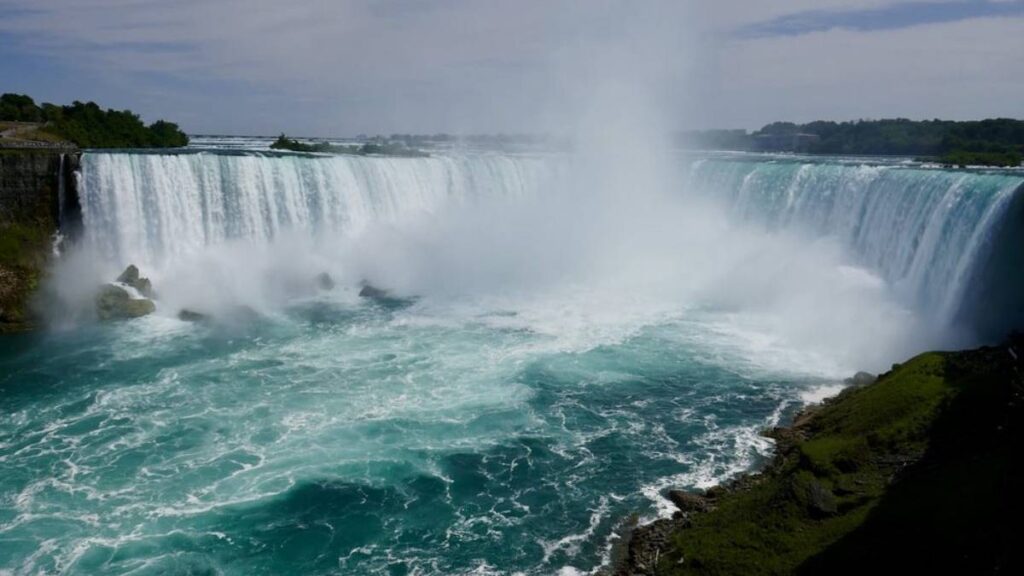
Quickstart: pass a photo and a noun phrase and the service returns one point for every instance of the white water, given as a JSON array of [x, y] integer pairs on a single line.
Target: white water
[[586, 334], [923, 231], [150, 208], [858, 265]]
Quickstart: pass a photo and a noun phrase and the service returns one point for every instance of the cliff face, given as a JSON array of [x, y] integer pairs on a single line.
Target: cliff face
[[36, 188]]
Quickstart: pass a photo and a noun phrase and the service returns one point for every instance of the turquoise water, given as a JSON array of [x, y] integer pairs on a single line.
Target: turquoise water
[[347, 437], [569, 339]]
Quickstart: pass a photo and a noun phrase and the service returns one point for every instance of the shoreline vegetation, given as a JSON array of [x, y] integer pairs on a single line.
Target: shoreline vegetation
[[916, 472], [23, 123], [997, 142]]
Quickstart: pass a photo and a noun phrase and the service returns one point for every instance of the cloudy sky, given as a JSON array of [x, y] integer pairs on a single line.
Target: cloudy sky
[[341, 67]]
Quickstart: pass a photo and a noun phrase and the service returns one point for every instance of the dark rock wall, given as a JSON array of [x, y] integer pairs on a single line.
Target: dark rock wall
[[32, 206]]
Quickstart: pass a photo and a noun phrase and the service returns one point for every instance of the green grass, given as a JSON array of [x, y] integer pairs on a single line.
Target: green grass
[[862, 492], [31, 132]]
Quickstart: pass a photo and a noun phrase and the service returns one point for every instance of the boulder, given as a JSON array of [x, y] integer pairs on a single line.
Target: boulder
[[861, 379], [145, 287], [370, 291], [819, 501], [715, 492], [687, 502], [192, 316], [324, 281], [115, 303], [131, 277]]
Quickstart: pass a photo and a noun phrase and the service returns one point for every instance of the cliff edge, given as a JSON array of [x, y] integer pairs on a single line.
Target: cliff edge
[[31, 205], [919, 472]]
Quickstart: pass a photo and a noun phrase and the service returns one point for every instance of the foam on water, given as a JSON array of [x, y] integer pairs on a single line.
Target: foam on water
[[555, 356], [462, 443]]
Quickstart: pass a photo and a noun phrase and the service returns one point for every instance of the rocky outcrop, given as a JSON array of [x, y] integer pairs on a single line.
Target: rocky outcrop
[[646, 544], [192, 316], [129, 297], [115, 303], [861, 379], [912, 472], [688, 502], [372, 292], [131, 277], [37, 197], [324, 281]]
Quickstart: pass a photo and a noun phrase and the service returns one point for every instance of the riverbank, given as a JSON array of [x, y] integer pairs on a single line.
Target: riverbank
[[917, 472]]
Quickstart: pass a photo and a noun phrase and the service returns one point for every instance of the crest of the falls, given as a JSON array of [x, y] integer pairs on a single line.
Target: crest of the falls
[[151, 207], [931, 234]]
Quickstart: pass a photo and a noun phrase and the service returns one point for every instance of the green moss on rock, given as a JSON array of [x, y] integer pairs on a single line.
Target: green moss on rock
[[115, 303], [23, 250], [28, 206], [917, 472]]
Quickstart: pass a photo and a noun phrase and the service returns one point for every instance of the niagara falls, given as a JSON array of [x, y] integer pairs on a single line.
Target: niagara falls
[[490, 289]]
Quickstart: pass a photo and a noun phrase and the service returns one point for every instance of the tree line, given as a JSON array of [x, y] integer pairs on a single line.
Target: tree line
[[998, 141], [89, 126]]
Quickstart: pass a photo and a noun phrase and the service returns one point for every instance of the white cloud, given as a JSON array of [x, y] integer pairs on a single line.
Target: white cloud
[[323, 66], [959, 70]]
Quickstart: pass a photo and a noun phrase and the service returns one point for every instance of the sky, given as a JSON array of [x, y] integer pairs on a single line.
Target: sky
[[344, 67]]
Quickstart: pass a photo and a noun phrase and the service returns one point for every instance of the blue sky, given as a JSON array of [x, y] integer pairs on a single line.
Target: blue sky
[[328, 67], [885, 17]]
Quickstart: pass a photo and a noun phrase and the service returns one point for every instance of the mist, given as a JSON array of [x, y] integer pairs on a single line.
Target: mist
[[610, 237]]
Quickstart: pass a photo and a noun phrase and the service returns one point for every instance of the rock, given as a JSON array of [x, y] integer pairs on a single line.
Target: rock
[[131, 277], [861, 379], [370, 291], [646, 546], [819, 501], [114, 303], [715, 492], [192, 316], [240, 315], [687, 502], [324, 281], [145, 287]]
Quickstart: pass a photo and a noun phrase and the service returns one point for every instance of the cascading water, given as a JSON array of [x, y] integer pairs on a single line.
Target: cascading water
[[151, 207], [927, 232], [560, 360], [924, 231]]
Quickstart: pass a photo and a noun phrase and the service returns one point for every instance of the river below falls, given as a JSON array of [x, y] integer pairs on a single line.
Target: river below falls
[[346, 436]]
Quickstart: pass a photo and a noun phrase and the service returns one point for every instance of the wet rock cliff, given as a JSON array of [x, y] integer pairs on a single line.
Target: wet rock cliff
[[37, 201]]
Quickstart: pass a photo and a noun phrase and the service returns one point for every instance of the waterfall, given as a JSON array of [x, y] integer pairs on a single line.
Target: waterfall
[[927, 232], [147, 208], [939, 238]]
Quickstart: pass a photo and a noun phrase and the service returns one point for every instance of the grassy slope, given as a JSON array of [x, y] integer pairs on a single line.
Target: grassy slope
[[30, 132], [917, 471]]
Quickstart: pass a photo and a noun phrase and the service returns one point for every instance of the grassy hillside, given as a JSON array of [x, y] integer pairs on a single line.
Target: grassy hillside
[[919, 472]]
